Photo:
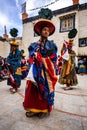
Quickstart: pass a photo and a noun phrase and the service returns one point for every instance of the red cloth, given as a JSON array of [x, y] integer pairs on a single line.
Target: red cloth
[[32, 100]]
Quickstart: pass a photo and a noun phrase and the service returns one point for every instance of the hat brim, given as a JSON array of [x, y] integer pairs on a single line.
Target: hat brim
[[44, 23], [14, 43]]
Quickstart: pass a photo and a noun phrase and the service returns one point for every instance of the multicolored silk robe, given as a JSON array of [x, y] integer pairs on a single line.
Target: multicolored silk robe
[[39, 97]]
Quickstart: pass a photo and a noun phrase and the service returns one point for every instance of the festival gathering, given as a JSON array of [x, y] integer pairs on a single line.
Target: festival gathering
[[43, 66]]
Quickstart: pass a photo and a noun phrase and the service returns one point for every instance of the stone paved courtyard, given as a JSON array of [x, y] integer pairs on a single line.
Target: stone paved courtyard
[[70, 109]]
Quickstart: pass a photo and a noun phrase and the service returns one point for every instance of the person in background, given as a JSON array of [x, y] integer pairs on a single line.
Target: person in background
[[1, 68], [23, 66], [39, 97], [13, 63], [68, 73], [81, 67], [59, 65]]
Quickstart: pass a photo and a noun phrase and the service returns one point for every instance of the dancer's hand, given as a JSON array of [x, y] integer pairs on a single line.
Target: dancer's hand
[[7, 63]]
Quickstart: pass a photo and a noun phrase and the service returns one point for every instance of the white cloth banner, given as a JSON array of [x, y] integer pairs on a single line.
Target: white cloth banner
[[30, 75], [65, 56]]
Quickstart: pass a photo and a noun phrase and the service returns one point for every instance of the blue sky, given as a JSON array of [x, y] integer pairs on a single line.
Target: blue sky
[[10, 11]]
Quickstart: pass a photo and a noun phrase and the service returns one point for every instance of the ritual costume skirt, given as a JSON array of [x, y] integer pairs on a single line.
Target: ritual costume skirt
[[70, 79], [14, 81], [32, 101]]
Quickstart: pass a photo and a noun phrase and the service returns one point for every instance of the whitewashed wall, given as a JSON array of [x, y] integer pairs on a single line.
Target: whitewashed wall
[[82, 22], [5, 48], [60, 37]]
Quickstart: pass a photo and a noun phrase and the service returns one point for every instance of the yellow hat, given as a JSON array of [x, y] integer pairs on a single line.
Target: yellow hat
[[42, 23], [14, 43]]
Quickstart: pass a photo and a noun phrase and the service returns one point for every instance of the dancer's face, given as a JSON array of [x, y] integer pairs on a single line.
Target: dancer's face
[[13, 47], [45, 32]]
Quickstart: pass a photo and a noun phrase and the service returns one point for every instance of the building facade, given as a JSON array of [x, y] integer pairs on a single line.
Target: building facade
[[64, 19], [74, 16]]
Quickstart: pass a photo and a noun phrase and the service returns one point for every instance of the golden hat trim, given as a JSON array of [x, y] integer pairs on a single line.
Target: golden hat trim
[[14, 43]]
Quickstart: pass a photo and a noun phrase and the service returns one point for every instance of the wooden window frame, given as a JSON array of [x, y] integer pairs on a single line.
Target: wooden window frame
[[67, 18], [83, 42]]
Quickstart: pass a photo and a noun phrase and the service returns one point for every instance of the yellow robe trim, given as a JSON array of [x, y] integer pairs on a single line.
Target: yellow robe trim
[[67, 67], [37, 110], [18, 71]]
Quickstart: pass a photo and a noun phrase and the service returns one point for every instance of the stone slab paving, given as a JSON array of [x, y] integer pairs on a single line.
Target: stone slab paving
[[70, 109]]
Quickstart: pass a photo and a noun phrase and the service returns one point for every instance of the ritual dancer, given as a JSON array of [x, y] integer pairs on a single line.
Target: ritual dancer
[[68, 73], [39, 96], [13, 63]]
